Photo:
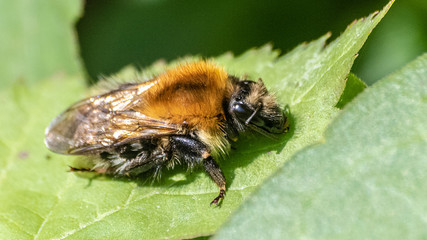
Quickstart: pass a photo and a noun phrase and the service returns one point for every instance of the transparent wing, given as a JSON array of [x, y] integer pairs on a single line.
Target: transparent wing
[[99, 123]]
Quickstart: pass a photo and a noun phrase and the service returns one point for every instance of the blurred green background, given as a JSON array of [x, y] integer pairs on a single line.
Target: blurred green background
[[116, 33]]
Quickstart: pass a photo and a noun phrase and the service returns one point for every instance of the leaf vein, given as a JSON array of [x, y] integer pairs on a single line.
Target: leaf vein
[[101, 216], [58, 197], [16, 224]]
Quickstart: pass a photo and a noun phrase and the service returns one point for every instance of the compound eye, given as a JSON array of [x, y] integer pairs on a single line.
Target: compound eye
[[246, 114], [239, 107], [241, 111]]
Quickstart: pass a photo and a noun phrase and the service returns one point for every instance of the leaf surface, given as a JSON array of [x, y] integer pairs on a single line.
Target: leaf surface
[[366, 181], [353, 87]]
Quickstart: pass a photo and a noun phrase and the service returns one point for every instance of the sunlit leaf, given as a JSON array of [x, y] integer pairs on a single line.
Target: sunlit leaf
[[41, 200], [367, 181]]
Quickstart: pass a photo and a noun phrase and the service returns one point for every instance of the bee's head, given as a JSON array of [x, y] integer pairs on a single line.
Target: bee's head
[[251, 106]]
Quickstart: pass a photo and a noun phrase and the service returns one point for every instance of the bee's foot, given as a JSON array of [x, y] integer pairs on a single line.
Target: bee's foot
[[220, 196]]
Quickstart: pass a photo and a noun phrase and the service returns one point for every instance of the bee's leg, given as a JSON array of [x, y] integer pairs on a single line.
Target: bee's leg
[[100, 171], [212, 168], [73, 169], [134, 159], [194, 152]]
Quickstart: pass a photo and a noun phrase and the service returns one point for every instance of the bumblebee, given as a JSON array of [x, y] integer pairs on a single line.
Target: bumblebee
[[189, 115]]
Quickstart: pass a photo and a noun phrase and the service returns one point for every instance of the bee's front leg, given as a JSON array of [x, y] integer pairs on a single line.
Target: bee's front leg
[[193, 151]]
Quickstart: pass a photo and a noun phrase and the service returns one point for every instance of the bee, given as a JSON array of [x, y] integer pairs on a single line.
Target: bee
[[188, 115]]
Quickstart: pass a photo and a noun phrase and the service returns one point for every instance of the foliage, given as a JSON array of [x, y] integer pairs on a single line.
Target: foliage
[[41, 200], [366, 181]]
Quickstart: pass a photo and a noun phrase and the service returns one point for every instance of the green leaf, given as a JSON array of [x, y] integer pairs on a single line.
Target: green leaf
[[353, 87], [37, 40], [30, 180], [41, 200], [367, 181]]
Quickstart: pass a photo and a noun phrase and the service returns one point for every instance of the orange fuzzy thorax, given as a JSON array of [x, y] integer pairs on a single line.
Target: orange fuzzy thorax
[[190, 94]]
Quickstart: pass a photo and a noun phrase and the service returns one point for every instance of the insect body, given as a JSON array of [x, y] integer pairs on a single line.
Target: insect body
[[188, 115]]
